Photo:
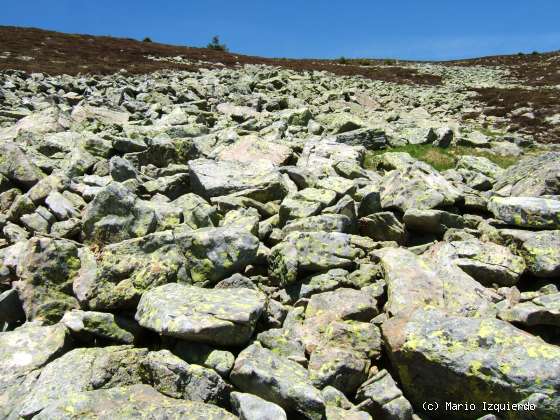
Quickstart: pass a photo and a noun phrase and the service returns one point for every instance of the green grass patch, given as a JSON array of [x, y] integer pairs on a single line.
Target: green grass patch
[[440, 158]]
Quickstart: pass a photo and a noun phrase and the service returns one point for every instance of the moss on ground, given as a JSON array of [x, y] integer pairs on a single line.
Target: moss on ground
[[441, 158]]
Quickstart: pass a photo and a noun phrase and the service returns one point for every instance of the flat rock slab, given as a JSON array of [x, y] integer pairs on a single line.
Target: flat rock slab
[[258, 179], [528, 212], [224, 317]]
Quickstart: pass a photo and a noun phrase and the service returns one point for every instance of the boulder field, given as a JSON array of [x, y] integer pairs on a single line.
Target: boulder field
[[221, 244]]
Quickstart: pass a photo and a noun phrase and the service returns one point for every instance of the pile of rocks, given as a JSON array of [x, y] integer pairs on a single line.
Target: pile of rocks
[[210, 245]]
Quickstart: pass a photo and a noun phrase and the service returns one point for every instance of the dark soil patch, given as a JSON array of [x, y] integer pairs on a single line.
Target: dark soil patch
[[543, 102], [58, 53]]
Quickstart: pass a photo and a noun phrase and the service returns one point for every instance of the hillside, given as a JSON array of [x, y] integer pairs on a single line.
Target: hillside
[[187, 233]]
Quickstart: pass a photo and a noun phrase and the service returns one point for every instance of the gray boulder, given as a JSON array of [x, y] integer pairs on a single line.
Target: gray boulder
[[224, 317], [251, 407], [529, 212], [276, 379], [441, 357]]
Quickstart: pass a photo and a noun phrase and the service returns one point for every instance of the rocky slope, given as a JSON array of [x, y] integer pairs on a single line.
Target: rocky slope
[[215, 244]]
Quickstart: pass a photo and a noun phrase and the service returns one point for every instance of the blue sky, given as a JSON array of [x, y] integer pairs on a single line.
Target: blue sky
[[406, 29]]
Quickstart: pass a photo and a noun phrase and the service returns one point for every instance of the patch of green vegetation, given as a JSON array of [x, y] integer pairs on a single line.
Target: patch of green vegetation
[[440, 158]]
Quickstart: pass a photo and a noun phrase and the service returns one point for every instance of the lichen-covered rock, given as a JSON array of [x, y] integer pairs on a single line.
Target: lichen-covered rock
[[310, 252], [417, 186], [250, 149], [46, 269], [543, 310], [258, 179], [177, 379], [224, 317], [138, 401], [201, 354], [487, 262], [259, 371], [115, 214], [23, 352], [382, 226], [432, 221], [89, 325], [542, 253], [416, 282], [83, 369], [529, 212], [116, 277], [544, 170], [196, 211], [251, 407], [441, 358], [16, 166], [321, 156], [216, 253], [381, 397]]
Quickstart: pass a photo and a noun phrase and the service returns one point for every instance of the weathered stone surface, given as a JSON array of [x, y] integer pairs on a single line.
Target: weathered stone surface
[[276, 379], [89, 325], [177, 379], [215, 253], [116, 277], [417, 186], [256, 180], [529, 212], [16, 166], [115, 214], [542, 254], [432, 221], [543, 310], [544, 179], [311, 252], [46, 270], [140, 401], [83, 369], [251, 407], [416, 282], [442, 358], [250, 149], [382, 226], [488, 263], [22, 352], [220, 316], [381, 397]]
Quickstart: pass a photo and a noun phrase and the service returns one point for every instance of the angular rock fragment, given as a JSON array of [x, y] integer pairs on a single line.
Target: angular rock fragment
[[224, 317], [529, 212]]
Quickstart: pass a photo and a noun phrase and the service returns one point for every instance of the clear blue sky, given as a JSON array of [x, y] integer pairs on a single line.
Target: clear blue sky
[[407, 29]]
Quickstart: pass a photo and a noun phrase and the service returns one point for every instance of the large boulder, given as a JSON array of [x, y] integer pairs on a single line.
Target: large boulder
[[250, 149], [417, 186], [261, 372], [123, 402], [256, 179], [544, 177], [23, 353], [529, 212], [321, 157], [117, 276], [448, 359], [542, 253], [302, 252], [487, 262], [225, 317], [417, 282], [83, 369], [251, 407], [46, 270], [116, 214], [17, 167], [216, 253]]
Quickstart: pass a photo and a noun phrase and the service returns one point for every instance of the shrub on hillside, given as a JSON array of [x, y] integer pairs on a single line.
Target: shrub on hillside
[[215, 44]]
